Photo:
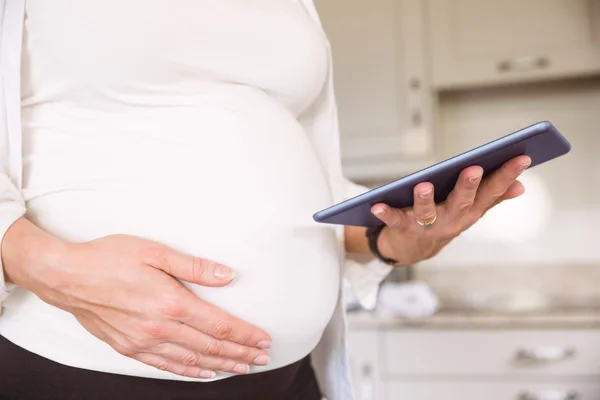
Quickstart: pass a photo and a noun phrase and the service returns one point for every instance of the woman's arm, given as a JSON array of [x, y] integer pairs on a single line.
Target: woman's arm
[[407, 241], [122, 290], [355, 240]]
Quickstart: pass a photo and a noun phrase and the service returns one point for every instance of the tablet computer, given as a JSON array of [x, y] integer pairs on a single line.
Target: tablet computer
[[541, 141]]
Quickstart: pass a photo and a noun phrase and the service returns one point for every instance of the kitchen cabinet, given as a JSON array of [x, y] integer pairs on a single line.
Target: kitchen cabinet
[[395, 62], [448, 357], [382, 88], [486, 42], [364, 364]]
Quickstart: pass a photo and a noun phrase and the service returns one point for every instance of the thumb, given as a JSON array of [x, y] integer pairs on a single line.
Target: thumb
[[392, 217], [192, 269]]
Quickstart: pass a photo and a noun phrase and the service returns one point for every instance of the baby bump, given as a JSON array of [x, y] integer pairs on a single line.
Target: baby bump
[[287, 276], [234, 187]]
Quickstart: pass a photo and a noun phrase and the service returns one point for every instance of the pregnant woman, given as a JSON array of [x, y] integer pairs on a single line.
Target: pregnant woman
[[160, 163]]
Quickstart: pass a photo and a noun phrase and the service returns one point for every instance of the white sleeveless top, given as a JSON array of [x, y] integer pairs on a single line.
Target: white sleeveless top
[[177, 120]]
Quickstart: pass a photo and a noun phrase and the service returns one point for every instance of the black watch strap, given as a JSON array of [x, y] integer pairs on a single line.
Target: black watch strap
[[373, 237]]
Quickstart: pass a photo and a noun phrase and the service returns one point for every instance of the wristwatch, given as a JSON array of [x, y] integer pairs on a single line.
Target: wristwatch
[[373, 237]]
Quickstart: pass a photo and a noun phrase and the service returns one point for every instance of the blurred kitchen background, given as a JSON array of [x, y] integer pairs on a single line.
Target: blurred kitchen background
[[511, 309]]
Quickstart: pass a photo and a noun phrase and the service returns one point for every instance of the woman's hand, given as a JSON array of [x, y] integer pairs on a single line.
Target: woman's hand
[[123, 290], [418, 233]]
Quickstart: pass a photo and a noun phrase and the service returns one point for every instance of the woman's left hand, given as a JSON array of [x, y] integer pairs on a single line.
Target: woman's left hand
[[418, 233]]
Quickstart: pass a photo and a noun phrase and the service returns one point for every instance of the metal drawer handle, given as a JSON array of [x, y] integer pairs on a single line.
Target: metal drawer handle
[[550, 395], [546, 354], [523, 64], [366, 384]]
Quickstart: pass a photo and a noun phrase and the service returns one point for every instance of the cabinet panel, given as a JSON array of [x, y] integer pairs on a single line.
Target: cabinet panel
[[363, 39], [487, 41], [383, 101], [481, 353], [493, 391], [363, 347]]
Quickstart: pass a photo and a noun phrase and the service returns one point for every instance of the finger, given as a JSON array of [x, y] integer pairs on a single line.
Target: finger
[[424, 208], [392, 217], [95, 328], [203, 351], [515, 190], [185, 356], [117, 341], [463, 196], [216, 323], [181, 307], [498, 183], [208, 346], [165, 364], [192, 269], [120, 341]]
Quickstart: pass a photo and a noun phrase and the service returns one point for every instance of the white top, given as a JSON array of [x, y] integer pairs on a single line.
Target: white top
[[182, 131], [296, 119]]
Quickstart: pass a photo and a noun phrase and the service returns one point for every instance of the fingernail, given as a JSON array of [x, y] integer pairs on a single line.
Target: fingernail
[[379, 213], [425, 195], [207, 374], [474, 179], [241, 368], [524, 167], [261, 360], [264, 344], [225, 273]]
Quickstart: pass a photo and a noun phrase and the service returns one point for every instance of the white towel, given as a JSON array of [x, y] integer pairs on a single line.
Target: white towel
[[406, 299]]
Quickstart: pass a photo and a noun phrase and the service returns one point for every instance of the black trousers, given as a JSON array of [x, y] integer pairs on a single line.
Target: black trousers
[[27, 376]]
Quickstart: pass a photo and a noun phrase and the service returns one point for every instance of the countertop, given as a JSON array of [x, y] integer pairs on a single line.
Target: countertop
[[571, 319]]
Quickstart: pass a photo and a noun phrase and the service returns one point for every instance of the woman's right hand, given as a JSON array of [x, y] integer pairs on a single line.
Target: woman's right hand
[[123, 290]]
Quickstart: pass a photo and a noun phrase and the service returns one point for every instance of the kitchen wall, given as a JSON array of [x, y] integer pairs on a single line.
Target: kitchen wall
[[468, 118], [557, 221], [419, 81]]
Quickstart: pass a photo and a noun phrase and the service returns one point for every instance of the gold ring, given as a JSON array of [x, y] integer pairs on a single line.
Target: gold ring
[[428, 222]]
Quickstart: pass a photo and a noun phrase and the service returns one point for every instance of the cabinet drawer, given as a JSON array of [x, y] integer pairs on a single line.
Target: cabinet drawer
[[484, 352], [476, 42], [492, 391]]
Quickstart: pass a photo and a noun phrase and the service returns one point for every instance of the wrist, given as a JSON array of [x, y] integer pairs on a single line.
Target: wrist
[[31, 256], [376, 243], [355, 240], [384, 244]]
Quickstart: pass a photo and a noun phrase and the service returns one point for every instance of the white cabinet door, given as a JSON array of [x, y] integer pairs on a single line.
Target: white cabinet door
[[363, 346], [476, 42], [494, 390], [383, 101]]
